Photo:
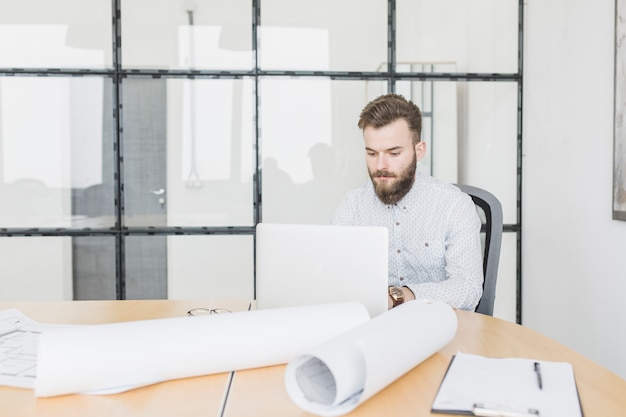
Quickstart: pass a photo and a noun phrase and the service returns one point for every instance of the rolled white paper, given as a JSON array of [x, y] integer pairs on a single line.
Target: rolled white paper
[[338, 375], [116, 357]]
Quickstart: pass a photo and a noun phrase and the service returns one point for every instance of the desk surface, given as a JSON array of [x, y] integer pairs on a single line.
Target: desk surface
[[261, 392]]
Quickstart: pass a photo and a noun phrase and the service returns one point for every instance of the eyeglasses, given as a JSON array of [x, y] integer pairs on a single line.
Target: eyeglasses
[[201, 311]]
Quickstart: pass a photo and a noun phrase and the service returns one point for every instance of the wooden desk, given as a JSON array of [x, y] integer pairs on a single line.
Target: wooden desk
[[192, 397], [261, 392]]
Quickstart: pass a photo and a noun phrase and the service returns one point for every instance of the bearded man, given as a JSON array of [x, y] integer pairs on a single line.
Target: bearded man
[[434, 230]]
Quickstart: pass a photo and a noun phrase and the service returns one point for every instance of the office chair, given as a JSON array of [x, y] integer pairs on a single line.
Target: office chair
[[490, 212]]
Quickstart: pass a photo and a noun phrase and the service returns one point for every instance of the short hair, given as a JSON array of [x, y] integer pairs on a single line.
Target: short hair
[[387, 109]]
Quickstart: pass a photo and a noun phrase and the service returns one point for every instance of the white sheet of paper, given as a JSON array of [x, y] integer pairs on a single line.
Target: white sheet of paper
[[120, 356], [19, 336], [337, 376], [508, 384]]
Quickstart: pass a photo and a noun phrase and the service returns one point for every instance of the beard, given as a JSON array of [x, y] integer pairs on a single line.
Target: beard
[[391, 193]]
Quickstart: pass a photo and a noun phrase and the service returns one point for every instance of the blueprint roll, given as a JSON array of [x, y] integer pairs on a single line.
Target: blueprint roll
[[340, 374], [109, 358]]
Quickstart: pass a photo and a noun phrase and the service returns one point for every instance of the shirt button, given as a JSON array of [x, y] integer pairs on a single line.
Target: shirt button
[[401, 278], [397, 223], [398, 250], [426, 244]]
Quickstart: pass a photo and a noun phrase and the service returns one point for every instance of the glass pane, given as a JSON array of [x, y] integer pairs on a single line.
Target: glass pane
[[94, 268], [505, 306], [440, 120], [313, 151], [182, 34], [323, 35], [210, 267], [475, 36], [488, 141], [176, 267], [79, 268], [57, 171], [188, 152], [49, 278], [56, 34], [146, 267], [470, 130]]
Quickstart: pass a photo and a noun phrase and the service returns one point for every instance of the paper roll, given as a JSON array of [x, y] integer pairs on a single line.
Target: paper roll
[[335, 377], [116, 357]]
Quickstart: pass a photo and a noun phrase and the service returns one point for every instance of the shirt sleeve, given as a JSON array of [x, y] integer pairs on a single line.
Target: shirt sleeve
[[463, 285]]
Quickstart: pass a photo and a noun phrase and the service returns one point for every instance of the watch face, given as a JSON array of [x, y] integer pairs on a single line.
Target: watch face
[[396, 292]]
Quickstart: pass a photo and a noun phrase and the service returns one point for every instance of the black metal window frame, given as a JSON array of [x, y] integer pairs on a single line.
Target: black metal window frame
[[117, 73]]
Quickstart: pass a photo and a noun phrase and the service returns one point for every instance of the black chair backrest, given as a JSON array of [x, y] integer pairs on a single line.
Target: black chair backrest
[[490, 212]]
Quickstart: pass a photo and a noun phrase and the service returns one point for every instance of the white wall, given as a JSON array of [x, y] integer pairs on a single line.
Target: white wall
[[574, 270]]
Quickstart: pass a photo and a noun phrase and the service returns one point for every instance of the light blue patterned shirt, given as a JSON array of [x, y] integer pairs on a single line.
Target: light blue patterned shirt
[[434, 239]]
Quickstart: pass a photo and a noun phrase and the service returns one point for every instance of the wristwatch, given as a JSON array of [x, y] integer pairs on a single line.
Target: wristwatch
[[397, 295]]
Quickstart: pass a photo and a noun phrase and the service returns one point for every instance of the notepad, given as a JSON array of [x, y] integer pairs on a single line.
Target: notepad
[[483, 386]]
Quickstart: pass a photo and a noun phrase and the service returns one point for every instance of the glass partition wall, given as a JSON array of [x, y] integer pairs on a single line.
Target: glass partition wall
[[141, 142]]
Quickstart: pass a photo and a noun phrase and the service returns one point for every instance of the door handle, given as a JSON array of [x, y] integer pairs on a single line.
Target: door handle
[[161, 193]]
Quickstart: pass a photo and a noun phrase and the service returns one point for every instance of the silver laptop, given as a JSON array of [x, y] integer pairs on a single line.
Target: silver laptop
[[301, 264]]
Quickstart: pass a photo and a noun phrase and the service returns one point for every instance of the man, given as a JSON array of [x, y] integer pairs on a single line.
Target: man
[[434, 241]]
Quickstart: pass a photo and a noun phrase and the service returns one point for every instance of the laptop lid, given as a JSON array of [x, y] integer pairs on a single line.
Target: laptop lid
[[301, 264]]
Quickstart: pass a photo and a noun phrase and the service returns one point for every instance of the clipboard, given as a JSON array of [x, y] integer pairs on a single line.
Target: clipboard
[[476, 385]]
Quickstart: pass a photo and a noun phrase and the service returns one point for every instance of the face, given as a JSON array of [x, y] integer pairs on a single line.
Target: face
[[391, 159]]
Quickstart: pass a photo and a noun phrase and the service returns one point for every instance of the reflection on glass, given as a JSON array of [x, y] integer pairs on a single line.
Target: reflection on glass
[[325, 35], [54, 133], [210, 267], [188, 152], [182, 34], [454, 31], [49, 278], [313, 151], [56, 34]]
